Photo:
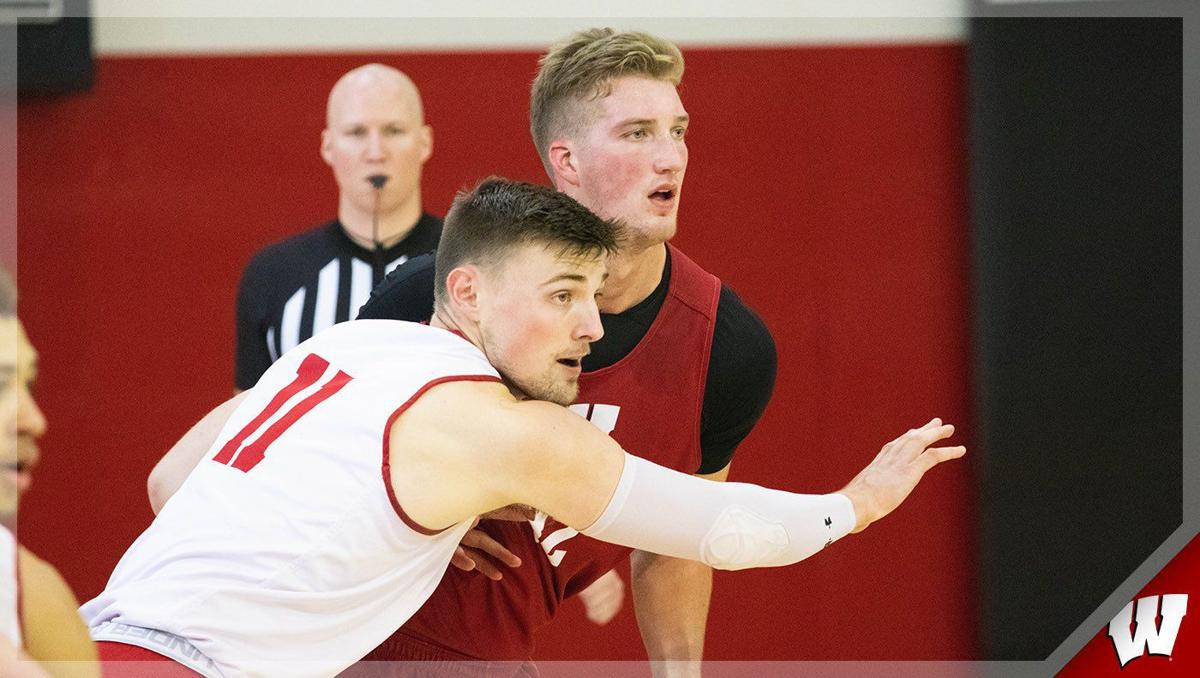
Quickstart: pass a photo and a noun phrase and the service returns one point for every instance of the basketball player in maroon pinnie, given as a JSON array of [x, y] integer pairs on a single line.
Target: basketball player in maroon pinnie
[[684, 369]]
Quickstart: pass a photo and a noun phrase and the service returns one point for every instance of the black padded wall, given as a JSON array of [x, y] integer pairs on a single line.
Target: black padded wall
[[1077, 190]]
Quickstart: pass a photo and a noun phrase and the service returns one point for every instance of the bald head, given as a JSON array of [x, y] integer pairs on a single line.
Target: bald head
[[377, 80], [375, 126]]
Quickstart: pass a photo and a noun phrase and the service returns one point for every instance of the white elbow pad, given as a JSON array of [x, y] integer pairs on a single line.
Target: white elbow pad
[[740, 538], [729, 526]]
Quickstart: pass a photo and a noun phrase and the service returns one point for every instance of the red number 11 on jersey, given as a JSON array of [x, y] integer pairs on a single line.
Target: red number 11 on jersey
[[307, 374]]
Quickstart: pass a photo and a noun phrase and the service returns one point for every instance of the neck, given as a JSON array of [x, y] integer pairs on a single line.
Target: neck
[[393, 226], [632, 276], [444, 319]]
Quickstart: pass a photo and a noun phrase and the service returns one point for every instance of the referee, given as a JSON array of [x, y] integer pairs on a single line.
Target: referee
[[376, 141]]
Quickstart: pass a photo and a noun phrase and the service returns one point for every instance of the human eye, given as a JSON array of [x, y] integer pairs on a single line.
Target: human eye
[[678, 132], [393, 130], [562, 297], [637, 134]]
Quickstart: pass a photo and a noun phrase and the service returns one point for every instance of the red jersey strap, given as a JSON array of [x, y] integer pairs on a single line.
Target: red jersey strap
[[692, 285], [700, 291]]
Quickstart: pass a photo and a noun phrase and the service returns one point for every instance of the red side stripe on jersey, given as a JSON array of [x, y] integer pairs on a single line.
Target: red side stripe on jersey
[[387, 472], [307, 374], [255, 452]]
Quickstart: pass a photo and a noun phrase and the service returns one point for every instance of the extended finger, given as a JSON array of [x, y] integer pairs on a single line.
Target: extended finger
[[486, 567], [936, 455], [917, 440], [481, 540], [936, 421], [461, 560]]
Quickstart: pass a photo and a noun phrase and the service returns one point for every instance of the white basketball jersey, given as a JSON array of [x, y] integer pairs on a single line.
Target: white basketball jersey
[[285, 551], [10, 589]]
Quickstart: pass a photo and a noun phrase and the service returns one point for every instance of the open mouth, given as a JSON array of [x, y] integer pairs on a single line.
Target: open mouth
[[569, 362], [663, 196]]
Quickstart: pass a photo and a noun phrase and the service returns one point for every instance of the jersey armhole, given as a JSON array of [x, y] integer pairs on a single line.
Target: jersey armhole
[[387, 430]]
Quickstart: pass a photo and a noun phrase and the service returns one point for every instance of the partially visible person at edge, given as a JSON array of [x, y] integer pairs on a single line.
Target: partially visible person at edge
[[41, 633], [684, 369], [375, 129]]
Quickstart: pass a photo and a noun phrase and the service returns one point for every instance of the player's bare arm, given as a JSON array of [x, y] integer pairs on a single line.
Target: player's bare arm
[[170, 471], [54, 632], [467, 448]]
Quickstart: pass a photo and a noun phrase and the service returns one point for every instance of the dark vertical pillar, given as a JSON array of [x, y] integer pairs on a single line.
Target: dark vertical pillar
[[1077, 190]]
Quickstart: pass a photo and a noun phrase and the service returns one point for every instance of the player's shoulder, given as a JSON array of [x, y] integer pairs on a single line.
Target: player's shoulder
[[384, 345], [743, 358], [740, 325], [404, 294]]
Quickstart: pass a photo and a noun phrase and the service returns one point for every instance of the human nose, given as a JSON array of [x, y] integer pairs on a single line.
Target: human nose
[[670, 156], [30, 419], [589, 328], [376, 150]]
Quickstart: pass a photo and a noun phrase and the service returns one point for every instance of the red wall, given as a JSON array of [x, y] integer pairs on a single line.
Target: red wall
[[827, 185]]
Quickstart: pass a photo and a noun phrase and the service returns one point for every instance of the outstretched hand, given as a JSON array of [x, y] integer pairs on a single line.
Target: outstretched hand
[[880, 487]]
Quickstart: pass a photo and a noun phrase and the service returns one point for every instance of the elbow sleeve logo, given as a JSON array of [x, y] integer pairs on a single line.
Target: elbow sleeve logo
[[740, 538]]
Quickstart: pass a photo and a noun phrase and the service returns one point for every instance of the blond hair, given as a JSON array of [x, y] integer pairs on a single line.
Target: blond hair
[[582, 68]]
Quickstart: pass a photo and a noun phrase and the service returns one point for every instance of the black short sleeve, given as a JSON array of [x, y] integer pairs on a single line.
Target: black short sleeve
[[253, 357], [741, 377], [405, 294]]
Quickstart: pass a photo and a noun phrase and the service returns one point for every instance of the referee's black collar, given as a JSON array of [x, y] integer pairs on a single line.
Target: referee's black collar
[[425, 226]]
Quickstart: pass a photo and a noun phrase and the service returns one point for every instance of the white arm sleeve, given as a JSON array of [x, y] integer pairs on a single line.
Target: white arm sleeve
[[728, 526]]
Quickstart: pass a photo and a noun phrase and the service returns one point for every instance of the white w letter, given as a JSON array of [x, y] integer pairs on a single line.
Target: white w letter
[[1149, 635]]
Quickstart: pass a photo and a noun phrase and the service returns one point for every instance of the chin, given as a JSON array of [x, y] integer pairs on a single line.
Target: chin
[[652, 232], [557, 392]]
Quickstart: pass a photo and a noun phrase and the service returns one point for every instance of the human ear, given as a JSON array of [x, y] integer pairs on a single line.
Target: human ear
[[462, 290], [563, 163]]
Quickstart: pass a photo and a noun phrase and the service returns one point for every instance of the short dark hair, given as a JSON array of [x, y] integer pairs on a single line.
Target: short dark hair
[[498, 214]]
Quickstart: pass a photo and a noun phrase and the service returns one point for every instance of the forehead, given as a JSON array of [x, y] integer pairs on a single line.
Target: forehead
[[539, 262], [364, 99], [639, 97]]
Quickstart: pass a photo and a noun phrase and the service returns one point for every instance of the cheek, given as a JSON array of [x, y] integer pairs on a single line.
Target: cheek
[[615, 177], [342, 159]]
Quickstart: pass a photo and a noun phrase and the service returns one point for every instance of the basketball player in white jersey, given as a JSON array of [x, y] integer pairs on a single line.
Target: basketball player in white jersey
[[38, 617], [337, 489]]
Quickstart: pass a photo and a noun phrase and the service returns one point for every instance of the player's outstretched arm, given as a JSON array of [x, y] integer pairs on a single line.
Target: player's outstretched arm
[[170, 471], [467, 448]]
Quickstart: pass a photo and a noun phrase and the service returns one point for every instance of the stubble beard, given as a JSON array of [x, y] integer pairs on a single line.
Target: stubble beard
[[546, 387]]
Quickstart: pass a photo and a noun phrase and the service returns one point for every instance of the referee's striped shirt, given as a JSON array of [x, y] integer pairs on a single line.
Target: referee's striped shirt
[[297, 287]]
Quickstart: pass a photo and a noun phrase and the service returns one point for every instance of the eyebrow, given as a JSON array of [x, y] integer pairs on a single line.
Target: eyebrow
[[648, 121], [573, 277]]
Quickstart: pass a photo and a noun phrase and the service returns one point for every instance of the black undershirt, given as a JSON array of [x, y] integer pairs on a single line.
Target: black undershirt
[[741, 366]]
